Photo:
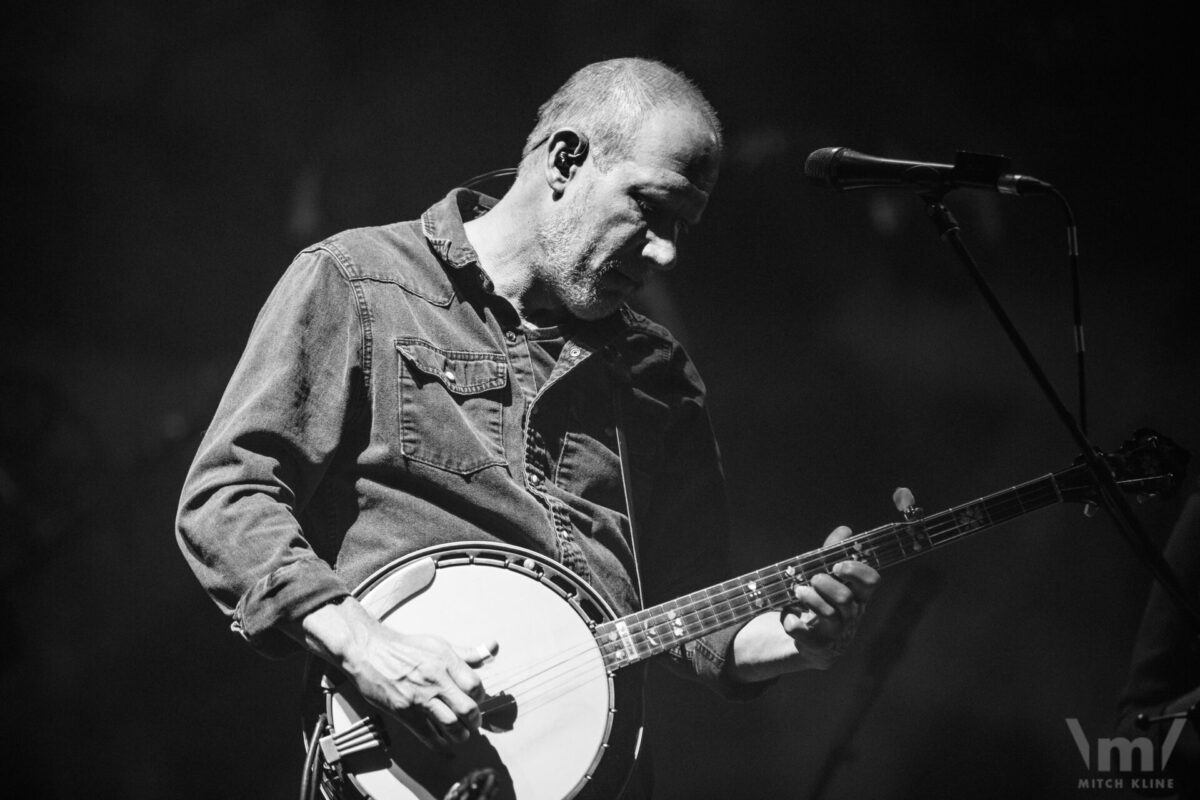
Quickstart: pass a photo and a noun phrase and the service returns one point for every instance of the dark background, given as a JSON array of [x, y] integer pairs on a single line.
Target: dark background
[[164, 162]]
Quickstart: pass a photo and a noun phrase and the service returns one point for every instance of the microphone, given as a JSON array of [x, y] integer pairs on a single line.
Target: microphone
[[844, 169]]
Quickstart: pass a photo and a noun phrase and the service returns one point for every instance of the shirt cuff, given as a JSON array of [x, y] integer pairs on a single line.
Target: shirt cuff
[[286, 595], [709, 656]]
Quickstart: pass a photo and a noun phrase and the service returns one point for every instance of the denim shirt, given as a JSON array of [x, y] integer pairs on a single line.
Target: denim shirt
[[384, 403]]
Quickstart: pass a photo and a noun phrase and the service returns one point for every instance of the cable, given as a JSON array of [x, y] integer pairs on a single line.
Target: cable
[[308, 783], [487, 176]]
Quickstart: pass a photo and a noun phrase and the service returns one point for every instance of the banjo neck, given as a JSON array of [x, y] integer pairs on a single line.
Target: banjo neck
[[655, 630], [1148, 464], [560, 678]]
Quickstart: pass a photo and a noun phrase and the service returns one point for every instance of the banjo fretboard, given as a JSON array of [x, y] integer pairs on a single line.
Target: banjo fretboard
[[657, 629]]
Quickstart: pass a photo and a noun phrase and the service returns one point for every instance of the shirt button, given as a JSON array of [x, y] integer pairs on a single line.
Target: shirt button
[[450, 376], [510, 337], [574, 352], [534, 479]]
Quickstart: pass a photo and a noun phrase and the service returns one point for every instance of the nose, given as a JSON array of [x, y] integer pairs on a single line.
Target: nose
[[659, 251]]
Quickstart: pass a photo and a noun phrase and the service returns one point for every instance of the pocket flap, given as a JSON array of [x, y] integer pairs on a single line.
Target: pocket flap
[[460, 371]]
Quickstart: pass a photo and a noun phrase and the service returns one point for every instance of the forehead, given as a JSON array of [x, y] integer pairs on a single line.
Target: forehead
[[674, 151]]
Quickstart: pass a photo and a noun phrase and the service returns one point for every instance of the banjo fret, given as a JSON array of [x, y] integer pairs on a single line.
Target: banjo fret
[[655, 630]]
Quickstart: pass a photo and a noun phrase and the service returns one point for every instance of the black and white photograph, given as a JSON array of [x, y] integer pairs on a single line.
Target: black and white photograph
[[599, 400]]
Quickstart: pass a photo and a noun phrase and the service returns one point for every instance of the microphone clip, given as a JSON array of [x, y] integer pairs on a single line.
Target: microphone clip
[[978, 169], [969, 169]]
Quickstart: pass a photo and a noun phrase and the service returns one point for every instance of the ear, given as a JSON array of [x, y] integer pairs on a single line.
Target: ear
[[566, 153]]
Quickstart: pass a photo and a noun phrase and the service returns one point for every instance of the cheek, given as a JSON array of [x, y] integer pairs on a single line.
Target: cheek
[[623, 239], [596, 248]]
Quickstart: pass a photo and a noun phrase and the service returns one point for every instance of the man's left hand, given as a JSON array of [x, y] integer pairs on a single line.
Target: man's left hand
[[812, 632], [825, 616]]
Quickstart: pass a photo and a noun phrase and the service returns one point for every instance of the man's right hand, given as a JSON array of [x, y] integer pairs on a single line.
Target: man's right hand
[[417, 678]]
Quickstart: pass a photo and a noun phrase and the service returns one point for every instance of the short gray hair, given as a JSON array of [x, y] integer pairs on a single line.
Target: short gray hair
[[607, 102]]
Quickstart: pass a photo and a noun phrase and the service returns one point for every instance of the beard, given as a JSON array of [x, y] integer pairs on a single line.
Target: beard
[[568, 266]]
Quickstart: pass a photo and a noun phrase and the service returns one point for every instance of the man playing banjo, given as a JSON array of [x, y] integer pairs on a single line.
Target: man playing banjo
[[475, 376]]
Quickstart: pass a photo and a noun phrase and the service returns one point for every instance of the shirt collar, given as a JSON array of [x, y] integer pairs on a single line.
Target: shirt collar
[[442, 225]]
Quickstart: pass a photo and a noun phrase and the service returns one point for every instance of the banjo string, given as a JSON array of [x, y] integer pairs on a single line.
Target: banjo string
[[890, 550], [565, 666]]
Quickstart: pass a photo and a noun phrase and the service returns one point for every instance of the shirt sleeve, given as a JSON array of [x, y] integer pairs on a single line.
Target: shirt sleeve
[[688, 524], [274, 433]]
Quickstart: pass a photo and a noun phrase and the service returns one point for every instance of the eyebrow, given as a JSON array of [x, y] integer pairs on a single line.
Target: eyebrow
[[678, 188]]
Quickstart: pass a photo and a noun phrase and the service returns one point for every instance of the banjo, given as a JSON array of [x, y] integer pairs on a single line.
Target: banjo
[[562, 715]]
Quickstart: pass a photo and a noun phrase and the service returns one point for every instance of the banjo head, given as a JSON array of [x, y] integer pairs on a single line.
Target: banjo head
[[550, 724]]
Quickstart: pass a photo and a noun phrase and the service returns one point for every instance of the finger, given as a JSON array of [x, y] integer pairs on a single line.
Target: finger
[[480, 654], [831, 590], [466, 679], [861, 578], [838, 534], [448, 720], [809, 599], [798, 620], [461, 704], [837, 606]]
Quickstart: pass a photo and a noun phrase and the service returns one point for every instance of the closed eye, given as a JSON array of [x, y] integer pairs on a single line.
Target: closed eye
[[650, 212]]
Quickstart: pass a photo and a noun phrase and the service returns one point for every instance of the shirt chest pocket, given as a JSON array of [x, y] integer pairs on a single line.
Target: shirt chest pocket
[[451, 406]]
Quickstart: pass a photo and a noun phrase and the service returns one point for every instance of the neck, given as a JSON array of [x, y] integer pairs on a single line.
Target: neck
[[505, 240]]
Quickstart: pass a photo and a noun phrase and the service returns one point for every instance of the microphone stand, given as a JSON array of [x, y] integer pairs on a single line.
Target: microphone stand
[[1112, 498]]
